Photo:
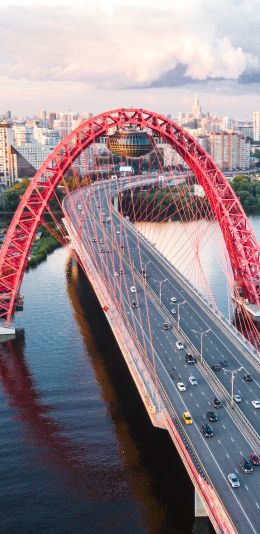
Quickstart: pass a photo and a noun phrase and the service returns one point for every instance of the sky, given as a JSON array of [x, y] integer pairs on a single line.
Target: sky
[[91, 56]]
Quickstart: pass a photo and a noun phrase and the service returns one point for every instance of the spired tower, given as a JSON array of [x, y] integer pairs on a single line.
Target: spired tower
[[196, 108]]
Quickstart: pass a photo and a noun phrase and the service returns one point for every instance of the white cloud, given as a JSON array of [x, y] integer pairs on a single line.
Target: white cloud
[[121, 43]]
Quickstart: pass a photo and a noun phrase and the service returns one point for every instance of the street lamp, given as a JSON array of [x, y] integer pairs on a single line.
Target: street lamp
[[201, 341], [160, 290], [178, 318], [233, 375]]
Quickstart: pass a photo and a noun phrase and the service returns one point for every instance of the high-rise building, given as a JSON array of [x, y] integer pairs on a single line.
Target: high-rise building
[[256, 126], [8, 171], [230, 151], [196, 108]]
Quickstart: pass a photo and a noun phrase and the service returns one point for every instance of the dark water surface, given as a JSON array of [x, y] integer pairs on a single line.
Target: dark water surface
[[78, 453]]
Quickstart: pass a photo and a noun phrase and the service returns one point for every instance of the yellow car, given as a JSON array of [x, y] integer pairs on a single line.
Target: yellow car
[[187, 418]]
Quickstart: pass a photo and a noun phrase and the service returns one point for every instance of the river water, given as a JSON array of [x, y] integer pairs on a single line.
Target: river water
[[78, 453]]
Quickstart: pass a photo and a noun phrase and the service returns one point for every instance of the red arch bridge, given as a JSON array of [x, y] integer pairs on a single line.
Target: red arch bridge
[[184, 356]]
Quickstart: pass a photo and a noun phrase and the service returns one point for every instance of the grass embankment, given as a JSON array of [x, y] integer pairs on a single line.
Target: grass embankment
[[41, 248]]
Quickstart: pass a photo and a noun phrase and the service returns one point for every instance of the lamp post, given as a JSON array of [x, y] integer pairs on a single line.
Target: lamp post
[[160, 288], [178, 318], [201, 342], [233, 375]]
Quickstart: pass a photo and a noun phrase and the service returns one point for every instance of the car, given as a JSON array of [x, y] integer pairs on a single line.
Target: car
[[121, 271], [79, 207], [115, 273], [233, 480], [254, 458], [216, 402], [179, 345], [173, 299], [247, 377], [181, 386], [237, 398], [246, 465], [212, 416], [102, 251], [216, 367], [118, 231], [133, 289], [166, 326], [94, 240], [190, 358], [224, 363], [207, 431], [193, 381], [101, 241], [187, 418], [256, 403], [134, 304], [173, 311]]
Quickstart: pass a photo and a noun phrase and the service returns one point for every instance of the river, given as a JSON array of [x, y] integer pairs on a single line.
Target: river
[[78, 453]]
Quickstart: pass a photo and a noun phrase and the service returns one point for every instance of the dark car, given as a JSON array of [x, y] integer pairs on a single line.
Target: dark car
[[134, 304], [212, 416], [246, 465], [224, 363], [247, 378], [207, 431], [190, 358], [254, 458], [166, 326], [216, 402], [216, 367]]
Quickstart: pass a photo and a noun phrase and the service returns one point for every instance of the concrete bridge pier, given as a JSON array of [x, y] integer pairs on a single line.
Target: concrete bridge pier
[[115, 202], [199, 508], [6, 333]]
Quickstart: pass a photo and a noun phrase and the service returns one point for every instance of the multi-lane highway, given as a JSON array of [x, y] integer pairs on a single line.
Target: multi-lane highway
[[122, 257]]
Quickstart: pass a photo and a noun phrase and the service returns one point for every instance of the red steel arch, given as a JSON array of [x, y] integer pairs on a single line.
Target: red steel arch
[[242, 246]]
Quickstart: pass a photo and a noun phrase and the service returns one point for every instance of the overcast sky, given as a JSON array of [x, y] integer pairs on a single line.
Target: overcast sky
[[92, 55]]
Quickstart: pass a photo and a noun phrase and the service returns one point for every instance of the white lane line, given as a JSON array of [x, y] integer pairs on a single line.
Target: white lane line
[[246, 487], [257, 504], [219, 441], [227, 455], [232, 439]]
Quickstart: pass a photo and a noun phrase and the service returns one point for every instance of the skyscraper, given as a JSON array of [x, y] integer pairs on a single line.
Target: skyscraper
[[196, 108], [256, 125]]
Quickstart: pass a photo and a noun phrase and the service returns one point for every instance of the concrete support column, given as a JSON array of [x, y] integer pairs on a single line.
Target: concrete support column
[[115, 202], [199, 508]]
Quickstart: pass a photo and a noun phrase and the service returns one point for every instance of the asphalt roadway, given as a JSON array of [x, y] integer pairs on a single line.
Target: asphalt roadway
[[236, 431]]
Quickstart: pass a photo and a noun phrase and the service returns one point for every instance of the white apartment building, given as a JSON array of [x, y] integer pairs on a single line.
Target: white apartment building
[[65, 123], [8, 171], [230, 151], [23, 134], [256, 126], [34, 153]]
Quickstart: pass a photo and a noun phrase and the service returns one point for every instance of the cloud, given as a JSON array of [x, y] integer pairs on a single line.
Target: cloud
[[117, 44]]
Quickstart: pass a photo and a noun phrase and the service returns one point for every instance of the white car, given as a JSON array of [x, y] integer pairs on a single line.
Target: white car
[[115, 273], [173, 311], [173, 299], [179, 345], [181, 386], [133, 289], [256, 403], [79, 207], [237, 398], [233, 480], [193, 380]]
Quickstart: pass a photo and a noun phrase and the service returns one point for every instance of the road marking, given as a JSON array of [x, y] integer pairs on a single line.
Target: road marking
[[224, 427], [219, 441], [232, 439], [227, 455], [241, 453], [246, 487], [257, 504]]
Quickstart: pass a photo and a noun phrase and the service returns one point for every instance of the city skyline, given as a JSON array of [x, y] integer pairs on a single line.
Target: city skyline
[[93, 57]]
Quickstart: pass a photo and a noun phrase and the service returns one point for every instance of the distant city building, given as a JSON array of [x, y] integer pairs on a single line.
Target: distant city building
[[65, 123], [256, 126], [8, 170], [196, 109], [23, 134], [230, 151]]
